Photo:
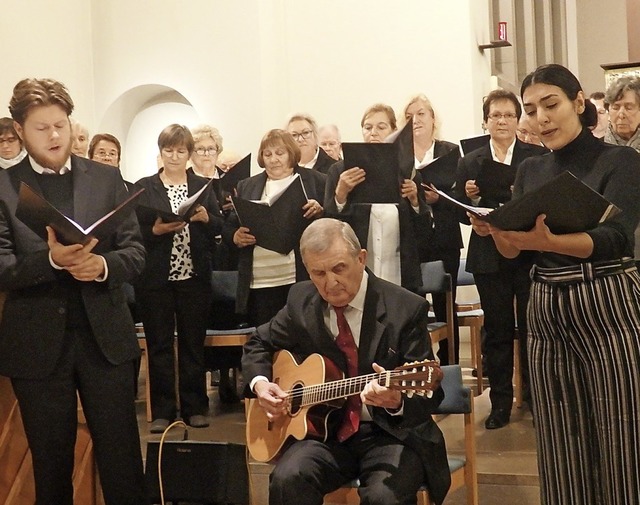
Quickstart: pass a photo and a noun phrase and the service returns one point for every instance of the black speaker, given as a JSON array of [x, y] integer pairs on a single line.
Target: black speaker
[[198, 472]]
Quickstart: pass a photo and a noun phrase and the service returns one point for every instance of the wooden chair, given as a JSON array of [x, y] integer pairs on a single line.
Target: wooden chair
[[470, 314], [436, 280], [458, 400]]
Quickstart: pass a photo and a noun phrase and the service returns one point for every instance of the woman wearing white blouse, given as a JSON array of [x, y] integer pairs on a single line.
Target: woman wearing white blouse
[[265, 276]]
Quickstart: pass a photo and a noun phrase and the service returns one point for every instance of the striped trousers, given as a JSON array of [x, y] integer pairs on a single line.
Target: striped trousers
[[584, 358]]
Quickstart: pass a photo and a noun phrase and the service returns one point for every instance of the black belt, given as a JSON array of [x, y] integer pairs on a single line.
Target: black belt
[[584, 272]]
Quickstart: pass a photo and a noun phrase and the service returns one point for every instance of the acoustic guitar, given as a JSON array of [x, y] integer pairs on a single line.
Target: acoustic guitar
[[315, 389]]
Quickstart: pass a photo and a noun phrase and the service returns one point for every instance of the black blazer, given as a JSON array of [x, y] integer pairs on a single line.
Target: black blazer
[[323, 163], [482, 256], [251, 189], [394, 331], [412, 224], [446, 216], [159, 247], [35, 311]]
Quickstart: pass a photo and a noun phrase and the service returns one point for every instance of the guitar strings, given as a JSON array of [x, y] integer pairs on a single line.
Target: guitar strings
[[345, 386]]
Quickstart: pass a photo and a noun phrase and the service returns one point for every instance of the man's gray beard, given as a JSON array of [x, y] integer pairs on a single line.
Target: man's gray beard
[[47, 162]]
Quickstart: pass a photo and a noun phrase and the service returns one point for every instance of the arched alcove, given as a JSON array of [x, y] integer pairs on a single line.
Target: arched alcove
[[136, 118]]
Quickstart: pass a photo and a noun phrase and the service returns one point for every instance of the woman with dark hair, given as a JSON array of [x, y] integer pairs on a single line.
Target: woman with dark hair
[[106, 149], [265, 276], [502, 283], [584, 315], [173, 293]]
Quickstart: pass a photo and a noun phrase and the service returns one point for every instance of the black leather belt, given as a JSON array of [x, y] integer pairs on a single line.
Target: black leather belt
[[584, 272]]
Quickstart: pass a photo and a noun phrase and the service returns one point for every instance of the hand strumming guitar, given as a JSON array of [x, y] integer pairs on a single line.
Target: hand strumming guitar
[[271, 398]]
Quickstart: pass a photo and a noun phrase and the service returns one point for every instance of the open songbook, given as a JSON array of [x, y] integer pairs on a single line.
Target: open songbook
[[186, 209], [569, 204], [384, 165], [277, 224], [37, 213]]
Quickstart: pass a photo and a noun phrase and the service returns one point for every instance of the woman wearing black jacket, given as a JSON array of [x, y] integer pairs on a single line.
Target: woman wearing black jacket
[[173, 292]]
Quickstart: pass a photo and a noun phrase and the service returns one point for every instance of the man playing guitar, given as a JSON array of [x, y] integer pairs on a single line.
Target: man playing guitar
[[385, 438]]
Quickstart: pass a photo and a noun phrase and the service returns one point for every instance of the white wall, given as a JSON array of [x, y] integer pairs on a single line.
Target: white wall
[[244, 66]]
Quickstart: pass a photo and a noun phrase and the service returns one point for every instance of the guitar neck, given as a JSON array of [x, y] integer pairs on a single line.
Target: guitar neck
[[320, 393]]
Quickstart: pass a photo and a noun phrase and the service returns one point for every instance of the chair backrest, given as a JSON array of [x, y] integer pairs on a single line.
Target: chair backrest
[[434, 278], [464, 278], [224, 284], [457, 397]]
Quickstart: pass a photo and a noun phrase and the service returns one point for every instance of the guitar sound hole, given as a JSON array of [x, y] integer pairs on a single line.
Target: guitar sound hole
[[296, 399]]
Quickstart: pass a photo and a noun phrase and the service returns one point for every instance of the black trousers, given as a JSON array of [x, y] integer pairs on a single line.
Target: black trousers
[[451, 260], [389, 471], [264, 303], [50, 418], [504, 296], [183, 306]]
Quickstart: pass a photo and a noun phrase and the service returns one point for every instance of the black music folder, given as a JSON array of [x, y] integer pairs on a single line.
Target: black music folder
[[277, 225], [441, 172], [37, 213], [240, 171], [495, 179], [186, 209], [385, 165], [473, 143], [569, 204]]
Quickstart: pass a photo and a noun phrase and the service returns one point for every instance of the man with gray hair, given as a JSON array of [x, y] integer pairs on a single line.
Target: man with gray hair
[[385, 439], [330, 140]]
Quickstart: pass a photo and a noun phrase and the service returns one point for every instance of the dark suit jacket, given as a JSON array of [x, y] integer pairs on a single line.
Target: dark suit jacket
[[323, 163], [251, 189], [159, 247], [35, 312], [394, 331], [446, 216], [482, 256], [411, 223]]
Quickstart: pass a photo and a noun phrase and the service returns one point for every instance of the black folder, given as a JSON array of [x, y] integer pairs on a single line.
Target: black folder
[[495, 179], [473, 143], [569, 204], [186, 210], [240, 171], [441, 172], [277, 226], [385, 165], [37, 213]]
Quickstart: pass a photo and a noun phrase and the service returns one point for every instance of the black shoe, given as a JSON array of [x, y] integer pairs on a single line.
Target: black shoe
[[159, 425], [498, 418], [198, 421]]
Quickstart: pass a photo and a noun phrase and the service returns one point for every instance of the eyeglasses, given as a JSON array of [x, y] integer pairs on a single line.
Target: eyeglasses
[[106, 154], [8, 141], [329, 143], [496, 116], [304, 134], [206, 152]]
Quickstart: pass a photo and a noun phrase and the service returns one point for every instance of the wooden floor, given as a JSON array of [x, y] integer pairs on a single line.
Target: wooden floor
[[507, 471]]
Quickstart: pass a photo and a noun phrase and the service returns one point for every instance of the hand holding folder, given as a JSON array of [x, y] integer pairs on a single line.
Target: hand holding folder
[[385, 165], [186, 210], [278, 224], [37, 213], [569, 204]]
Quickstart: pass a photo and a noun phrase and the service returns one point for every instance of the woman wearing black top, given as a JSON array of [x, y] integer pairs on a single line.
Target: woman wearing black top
[[584, 315]]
